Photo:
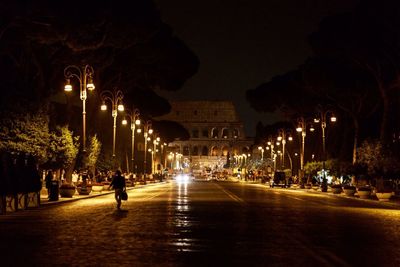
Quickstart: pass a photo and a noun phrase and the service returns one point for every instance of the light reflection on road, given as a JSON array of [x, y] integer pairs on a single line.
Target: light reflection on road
[[181, 219]]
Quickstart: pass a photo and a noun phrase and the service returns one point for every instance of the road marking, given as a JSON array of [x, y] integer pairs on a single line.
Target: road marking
[[151, 196], [230, 194], [296, 198]]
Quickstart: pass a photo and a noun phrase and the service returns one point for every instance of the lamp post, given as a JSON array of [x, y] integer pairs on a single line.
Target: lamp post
[[152, 159], [147, 130], [115, 98], [156, 141], [302, 129], [85, 78], [171, 158], [133, 115], [322, 116], [282, 135], [163, 156], [262, 152]]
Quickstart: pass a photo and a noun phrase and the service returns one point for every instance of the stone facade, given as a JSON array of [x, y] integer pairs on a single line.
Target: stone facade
[[215, 132]]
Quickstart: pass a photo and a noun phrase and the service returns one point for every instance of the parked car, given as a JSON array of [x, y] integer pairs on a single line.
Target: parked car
[[279, 180]]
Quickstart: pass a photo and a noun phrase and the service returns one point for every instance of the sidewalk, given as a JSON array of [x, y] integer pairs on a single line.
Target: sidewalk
[[394, 200], [44, 201]]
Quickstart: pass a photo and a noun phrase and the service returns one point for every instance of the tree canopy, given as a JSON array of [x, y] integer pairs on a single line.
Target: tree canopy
[[354, 70], [125, 42]]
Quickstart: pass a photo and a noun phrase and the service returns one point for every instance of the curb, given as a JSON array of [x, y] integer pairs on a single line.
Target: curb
[[395, 201]]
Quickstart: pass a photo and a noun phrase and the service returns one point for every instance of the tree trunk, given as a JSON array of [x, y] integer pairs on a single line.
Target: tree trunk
[[356, 132]]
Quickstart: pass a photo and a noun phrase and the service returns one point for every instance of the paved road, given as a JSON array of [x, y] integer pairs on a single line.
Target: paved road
[[205, 224]]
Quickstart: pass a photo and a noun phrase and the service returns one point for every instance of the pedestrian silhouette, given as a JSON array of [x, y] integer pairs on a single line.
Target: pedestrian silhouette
[[118, 184]]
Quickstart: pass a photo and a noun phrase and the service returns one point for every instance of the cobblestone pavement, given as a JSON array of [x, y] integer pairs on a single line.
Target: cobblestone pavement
[[205, 224]]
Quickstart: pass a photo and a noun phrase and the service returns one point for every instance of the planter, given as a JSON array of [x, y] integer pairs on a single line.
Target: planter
[[84, 190], [349, 190], [336, 189], [384, 196], [307, 186], [67, 192], [106, 186], [364, 194], [315, 187], [97, 188]]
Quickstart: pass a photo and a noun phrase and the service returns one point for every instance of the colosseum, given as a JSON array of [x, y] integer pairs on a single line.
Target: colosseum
[[216, 133]]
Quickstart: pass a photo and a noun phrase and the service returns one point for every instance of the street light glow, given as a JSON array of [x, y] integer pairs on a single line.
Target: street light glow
[[124, 122], [120, 107], [333, 118], [90, 86], [103, 106], [137, 122], [299, 129], [68, 86]]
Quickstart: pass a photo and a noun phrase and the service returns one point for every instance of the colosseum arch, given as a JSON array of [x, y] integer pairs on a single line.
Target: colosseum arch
[[235, 133], [204, 151], [225, 151], [214, 151], [195, 133], [245, 150], [235, 150], [214, 133], [186, 151], [225, 133], [195, 151]]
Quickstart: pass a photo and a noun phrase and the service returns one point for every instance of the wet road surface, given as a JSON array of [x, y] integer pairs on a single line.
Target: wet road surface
[[205, 224]]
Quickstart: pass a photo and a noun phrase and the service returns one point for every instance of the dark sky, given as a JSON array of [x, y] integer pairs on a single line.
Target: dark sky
[[243, 43]]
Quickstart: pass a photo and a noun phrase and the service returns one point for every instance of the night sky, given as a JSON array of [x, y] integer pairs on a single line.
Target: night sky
[[243, 43]]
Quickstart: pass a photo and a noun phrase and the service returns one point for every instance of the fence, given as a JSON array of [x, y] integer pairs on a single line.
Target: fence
[[20, 183]]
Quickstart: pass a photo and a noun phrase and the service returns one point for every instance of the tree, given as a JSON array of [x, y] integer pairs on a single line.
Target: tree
[[93, 153], [62, 150], [126, 43], [367, 38], [25, 133], [380, 160]]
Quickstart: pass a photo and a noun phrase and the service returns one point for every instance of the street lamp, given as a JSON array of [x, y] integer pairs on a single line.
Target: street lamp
[[115, 98], [322, 116], [302, 129], [133, 115], [85, 78]]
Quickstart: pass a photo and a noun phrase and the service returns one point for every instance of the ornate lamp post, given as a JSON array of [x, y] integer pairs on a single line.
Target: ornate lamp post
[[262, 152], [134, 118], [163, 156], [322, 116], [85, 78], [301, 128], [147, 130], [284, 135], [154, 155], [115, 98], [171, 159]]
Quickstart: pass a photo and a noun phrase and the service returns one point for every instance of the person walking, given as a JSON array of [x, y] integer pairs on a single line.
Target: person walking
[[118, 184]]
